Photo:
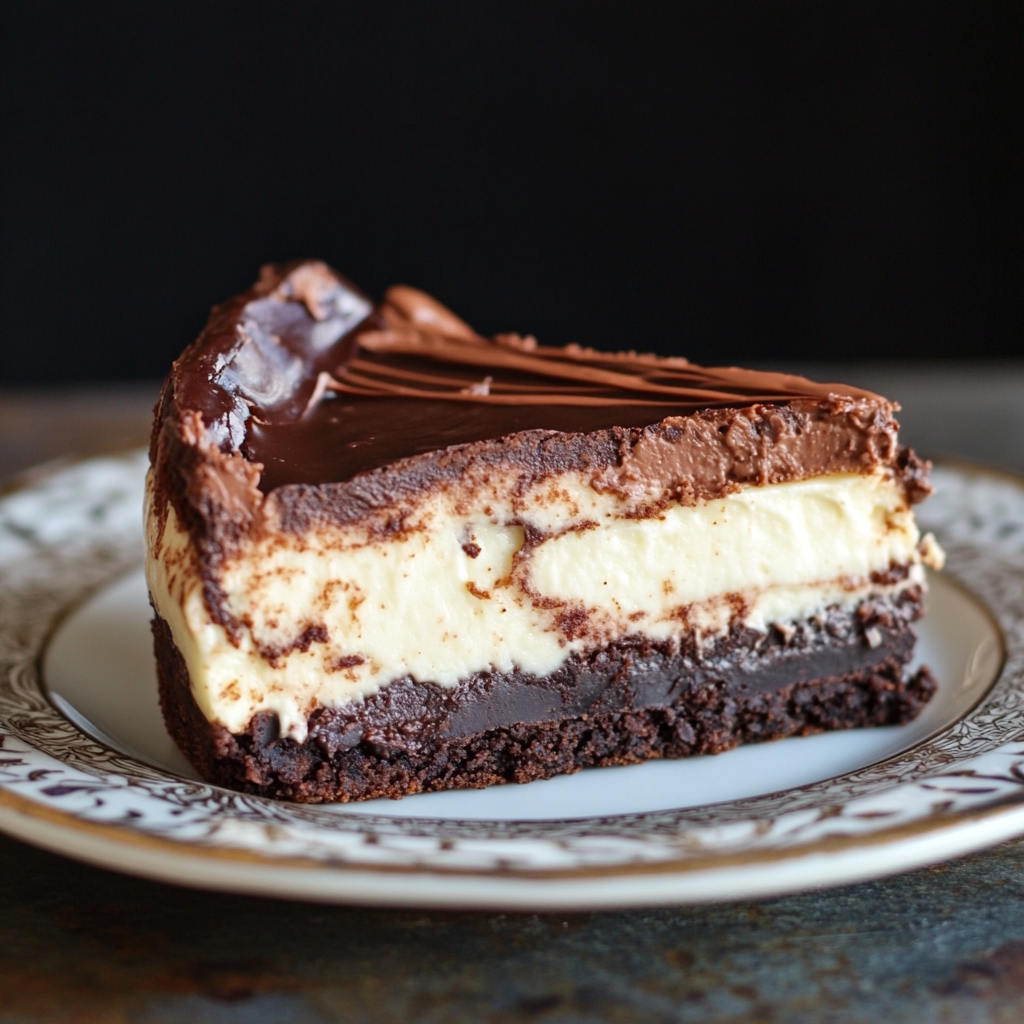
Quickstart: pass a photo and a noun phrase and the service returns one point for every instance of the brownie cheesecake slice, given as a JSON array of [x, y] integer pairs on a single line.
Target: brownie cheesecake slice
[[387, 555]]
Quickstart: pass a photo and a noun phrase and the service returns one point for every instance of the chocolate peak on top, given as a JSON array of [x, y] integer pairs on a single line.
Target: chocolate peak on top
[[306, 376]]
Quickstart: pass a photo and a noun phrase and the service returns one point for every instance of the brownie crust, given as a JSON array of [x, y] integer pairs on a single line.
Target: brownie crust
[[406, 740]]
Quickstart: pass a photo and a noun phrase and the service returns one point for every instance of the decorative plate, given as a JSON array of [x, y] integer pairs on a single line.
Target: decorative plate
[[87, 770]]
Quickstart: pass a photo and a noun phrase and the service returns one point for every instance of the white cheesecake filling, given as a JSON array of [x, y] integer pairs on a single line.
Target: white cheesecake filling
[[459, 591]]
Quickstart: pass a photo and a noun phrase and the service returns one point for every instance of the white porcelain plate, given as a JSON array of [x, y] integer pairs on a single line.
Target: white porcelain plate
[[87, 769]]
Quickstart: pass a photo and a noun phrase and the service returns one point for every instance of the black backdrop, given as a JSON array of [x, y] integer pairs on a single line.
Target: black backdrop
[[731, 181]]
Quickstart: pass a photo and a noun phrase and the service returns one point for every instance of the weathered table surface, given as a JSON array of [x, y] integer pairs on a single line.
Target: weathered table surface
[[945, 944]]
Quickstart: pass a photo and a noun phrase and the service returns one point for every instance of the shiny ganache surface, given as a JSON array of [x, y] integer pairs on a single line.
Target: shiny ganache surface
[[309, 379]]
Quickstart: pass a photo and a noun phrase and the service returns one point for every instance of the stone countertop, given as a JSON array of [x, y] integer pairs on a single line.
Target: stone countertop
[[944, 944]]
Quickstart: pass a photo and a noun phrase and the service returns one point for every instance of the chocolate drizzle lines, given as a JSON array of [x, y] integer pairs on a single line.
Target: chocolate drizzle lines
[[397, 363]]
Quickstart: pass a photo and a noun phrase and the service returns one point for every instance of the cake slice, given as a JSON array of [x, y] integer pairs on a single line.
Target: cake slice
[[387, 555]]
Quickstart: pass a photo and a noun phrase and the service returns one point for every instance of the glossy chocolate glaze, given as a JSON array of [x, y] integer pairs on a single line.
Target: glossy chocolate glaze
[[309, 380]]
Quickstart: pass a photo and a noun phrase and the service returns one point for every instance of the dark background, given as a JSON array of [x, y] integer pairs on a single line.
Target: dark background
[[729, 181]]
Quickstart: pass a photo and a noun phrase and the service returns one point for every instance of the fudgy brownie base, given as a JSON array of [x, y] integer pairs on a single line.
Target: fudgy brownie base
[[702, 719]]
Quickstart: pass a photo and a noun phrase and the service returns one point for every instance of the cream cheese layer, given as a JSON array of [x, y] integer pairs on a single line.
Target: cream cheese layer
[[331, 616]]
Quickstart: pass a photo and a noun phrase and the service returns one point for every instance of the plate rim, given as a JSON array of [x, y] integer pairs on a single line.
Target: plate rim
[[579, 890]]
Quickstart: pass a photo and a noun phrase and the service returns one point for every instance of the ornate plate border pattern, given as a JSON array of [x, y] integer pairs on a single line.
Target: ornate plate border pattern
[[69, 531]]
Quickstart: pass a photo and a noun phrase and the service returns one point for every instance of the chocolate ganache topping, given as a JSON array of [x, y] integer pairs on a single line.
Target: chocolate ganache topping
[[306, 377]]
